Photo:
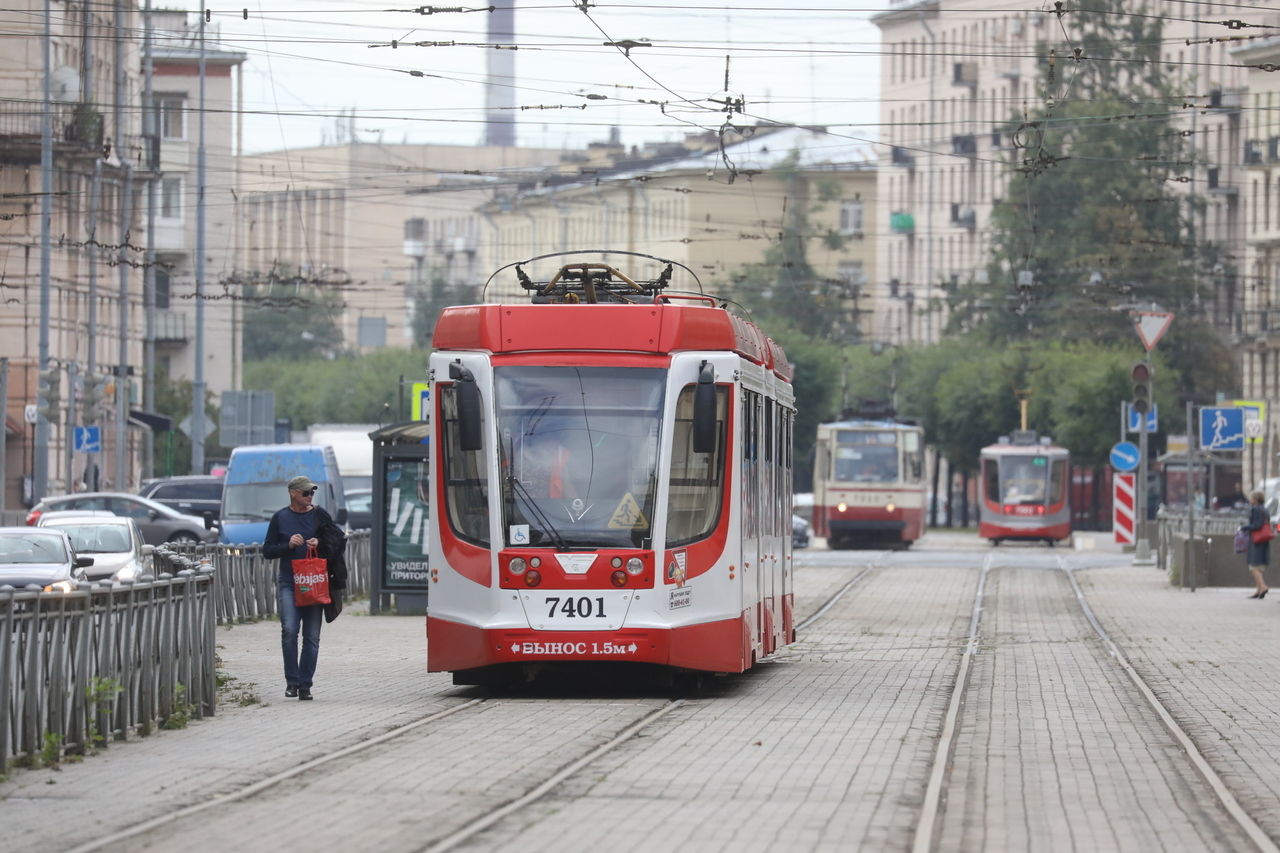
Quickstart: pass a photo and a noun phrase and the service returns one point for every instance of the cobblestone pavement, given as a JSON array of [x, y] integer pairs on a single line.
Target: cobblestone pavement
[[828, 746]]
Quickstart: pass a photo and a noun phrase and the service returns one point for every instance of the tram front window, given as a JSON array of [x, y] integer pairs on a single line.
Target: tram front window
[[866, 457], [578, 451], [1023, 480]]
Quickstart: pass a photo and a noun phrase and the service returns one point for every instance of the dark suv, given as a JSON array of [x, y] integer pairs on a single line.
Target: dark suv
[[190, 495]]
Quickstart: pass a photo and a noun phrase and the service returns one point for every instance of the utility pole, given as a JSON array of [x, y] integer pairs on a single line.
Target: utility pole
[[197, 389], [930, 179], [40, 464], [122, 363], [150, 133]]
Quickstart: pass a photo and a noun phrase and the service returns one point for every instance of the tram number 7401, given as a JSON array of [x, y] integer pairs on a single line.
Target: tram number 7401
[[579, 607]]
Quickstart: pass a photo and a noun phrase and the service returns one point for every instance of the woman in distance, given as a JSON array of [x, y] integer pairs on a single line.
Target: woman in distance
[[1259, 554]]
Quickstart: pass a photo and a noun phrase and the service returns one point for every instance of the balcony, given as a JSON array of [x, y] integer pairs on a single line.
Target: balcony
[[902, 223], [171, 327]]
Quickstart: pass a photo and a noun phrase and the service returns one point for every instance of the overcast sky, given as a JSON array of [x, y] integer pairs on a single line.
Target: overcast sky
[[812, 65]]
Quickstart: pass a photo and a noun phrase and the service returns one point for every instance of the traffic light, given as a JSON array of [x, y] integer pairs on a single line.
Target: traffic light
[[92, 395], [49, 392], [1141, 375]]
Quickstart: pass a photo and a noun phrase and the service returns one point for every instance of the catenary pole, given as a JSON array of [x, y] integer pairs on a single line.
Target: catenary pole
[[197, 387]]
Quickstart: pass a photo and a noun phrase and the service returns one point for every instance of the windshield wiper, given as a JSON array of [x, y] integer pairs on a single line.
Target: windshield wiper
[[539, 516]]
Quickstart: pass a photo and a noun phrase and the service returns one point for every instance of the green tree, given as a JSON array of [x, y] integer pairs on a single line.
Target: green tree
[[347, 389], [1091, 226], [293, 317], [173, 448]]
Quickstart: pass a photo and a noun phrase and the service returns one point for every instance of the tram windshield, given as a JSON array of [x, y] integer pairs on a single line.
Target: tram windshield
[[578, 453], [866, 456], [1024, 480]]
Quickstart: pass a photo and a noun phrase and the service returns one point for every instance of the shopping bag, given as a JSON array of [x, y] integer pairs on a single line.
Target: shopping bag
[[1241, 542], [310, 580], [1265, 533]]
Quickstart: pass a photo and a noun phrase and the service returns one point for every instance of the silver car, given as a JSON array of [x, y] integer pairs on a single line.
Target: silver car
[[41, 557], [158, 523], [114, 542]]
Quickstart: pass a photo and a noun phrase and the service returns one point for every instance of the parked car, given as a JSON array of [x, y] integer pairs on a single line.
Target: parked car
[[114, 542], [360, 509], [45, 558], [158, 523], [195, 494], [800, 532]]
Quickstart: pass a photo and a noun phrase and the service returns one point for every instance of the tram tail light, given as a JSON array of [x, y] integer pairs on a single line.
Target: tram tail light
[[619, 578], [533, 577]]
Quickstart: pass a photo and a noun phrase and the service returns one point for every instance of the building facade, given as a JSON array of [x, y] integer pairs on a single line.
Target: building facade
[[955, 75], [93, 288]]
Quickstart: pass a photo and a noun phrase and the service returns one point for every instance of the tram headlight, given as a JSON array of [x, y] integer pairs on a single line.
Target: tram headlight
[[516, 566], [842, 506], [635, 566], [889, 507]]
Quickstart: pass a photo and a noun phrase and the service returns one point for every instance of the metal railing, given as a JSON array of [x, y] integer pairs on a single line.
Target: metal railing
[[245, 581], [80, 669], [1173, 528]]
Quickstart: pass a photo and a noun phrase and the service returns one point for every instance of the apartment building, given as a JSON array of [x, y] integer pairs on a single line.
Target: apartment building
[[94, 285], [334, 217], [176, 88], [1260, 325], [955, 73], [716, 210]]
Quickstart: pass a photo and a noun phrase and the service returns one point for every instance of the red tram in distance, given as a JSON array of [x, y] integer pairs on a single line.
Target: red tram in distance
[[869, 481], [613, 481], [1025, 490]]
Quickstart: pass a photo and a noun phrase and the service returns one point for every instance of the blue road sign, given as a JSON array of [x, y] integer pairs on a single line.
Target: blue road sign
[[1124, 456], [1221, 428], [1152, 418], [87, 439]]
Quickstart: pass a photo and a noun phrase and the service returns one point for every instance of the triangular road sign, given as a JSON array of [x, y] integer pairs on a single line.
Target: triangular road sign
[[1151, 326]]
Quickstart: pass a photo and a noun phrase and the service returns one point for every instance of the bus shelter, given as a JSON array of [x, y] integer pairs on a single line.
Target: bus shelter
[[402, 518]]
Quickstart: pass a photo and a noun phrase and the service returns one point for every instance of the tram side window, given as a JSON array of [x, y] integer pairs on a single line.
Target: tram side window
[[913, 453], [465, 476], [696, 478], [1057, 481], [991, 476]]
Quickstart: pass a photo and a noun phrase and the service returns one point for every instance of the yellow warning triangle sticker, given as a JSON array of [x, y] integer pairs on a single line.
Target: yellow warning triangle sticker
[[628, 515]]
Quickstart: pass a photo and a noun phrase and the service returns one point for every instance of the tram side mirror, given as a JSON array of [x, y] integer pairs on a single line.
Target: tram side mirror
[[469, 436], [704, 410]]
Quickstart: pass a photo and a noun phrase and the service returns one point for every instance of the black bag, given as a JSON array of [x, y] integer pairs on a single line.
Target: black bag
[[334, 608]]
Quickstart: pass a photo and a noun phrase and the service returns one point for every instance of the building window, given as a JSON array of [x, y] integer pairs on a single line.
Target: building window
[[171, 111], [851, 216], [371, 332], [164, 287], [852, 277], [171, 198]]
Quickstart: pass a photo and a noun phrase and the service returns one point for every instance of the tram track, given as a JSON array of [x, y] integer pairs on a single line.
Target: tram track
[[1211, 777], [460, 835], [928, 827]]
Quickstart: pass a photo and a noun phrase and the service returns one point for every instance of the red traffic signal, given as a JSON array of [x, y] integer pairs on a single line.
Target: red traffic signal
[[1141, 372]]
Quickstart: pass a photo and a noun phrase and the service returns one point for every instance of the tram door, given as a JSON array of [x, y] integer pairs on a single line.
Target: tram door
[[753, 565]]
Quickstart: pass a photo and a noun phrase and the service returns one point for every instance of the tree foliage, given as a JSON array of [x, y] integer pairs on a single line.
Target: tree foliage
[[291, 318], [347, 389], [1091, 226]]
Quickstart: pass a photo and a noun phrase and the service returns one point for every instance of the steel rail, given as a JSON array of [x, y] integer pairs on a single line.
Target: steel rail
[[927, 828], [1228, 800], [270, 781]]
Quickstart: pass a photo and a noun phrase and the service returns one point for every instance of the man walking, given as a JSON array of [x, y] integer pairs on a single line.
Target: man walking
[[292, 531]]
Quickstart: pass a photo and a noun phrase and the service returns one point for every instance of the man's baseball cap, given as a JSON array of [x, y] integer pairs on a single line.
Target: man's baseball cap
[[301, 483]]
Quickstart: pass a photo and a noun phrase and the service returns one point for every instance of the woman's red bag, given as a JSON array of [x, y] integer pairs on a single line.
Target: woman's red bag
[[311, 580], [1265, 533]]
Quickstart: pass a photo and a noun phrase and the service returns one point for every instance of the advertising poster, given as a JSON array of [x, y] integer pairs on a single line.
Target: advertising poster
[[406, 536]]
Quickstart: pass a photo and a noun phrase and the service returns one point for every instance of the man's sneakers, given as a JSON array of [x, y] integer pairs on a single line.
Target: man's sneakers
[[290, 692], [304, 693]]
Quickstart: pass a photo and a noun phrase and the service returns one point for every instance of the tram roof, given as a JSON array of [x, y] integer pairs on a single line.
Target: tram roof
[[1010, 449], [873, 423], [656, 327]]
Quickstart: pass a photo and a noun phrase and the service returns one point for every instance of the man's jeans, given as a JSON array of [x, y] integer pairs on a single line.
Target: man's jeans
[[298, 672]]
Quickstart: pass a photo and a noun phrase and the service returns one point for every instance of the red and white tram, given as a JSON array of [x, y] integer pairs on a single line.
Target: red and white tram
[[1025, 489], [613, 479], [869, 482]]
